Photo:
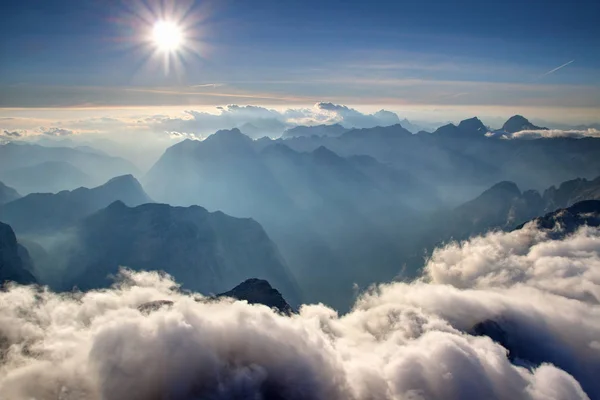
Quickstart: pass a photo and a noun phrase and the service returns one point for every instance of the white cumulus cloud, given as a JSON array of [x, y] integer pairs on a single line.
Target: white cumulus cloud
[[556, 133], [400, 341]]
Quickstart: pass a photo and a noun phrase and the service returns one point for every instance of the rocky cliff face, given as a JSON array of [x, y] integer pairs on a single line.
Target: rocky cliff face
[[259, 291], [205, 252], [14, 259]]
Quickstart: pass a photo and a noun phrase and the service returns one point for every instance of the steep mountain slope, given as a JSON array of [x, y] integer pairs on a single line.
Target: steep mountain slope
[[501, 206], [571, 192], [14, 259], [7, 194], [46, 212], [205, 252], [46, 177], [326, 213]]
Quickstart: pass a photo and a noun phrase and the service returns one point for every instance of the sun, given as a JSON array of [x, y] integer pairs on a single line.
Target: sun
[[167, 36]]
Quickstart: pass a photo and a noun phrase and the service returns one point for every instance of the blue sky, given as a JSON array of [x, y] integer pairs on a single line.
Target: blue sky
[[389, 53]]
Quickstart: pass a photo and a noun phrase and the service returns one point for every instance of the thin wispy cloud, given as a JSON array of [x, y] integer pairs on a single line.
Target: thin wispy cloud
[[556, 69], [203, 85]]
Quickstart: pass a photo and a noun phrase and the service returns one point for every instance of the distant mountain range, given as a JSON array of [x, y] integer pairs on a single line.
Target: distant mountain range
[[46, 177], [322, 209], [462, 160], [332, 209], [334, 130], [501, 207], [47, 212], [81, 237], [31, 168]]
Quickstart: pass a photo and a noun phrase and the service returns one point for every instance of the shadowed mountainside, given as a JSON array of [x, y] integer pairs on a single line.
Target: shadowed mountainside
[[205, 252]]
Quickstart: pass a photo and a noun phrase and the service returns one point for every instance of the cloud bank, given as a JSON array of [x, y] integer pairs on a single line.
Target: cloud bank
[[401, 340], [259, 121], [527, 257], [556, 133]]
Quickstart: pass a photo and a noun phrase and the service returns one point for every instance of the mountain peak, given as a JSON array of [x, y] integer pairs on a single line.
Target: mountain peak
[[324, 154], [123, 180], [518, 123], [228, 139], [472, 126], [233, 133], [259, 291], [504, 187]]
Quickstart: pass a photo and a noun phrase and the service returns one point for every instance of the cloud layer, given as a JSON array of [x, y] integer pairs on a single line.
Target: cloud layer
[[556, 133], [259, 121], [527, 257], [401, 341]]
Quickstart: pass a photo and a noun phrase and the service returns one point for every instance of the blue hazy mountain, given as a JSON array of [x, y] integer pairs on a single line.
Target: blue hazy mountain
[[260, 127], [504, 206], [462, 160], [81, 166], [205, 252], [15, 264], [7, 194], [324, 211], [46, 177], [46, 212], [333, 130]]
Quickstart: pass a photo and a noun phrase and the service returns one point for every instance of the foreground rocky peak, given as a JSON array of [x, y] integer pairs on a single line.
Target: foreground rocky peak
[[259, 291], [567, 220]]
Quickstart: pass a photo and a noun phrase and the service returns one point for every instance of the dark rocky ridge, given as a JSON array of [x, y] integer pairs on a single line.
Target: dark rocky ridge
[[253, 290], [46, 212], [14, 259], [205, 252], [567, 220], [259, 291]]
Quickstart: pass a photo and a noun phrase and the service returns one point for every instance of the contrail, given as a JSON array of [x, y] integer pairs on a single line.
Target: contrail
[[556, 69]]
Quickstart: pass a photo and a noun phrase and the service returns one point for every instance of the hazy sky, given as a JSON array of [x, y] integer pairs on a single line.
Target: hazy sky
[[543, 55]]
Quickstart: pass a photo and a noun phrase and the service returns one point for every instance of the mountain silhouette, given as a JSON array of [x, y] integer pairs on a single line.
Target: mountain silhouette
[[203, 251], [518, 123], [46, 212]]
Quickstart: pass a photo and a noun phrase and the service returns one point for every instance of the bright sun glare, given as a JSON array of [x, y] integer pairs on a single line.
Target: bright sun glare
[[167, 36]]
